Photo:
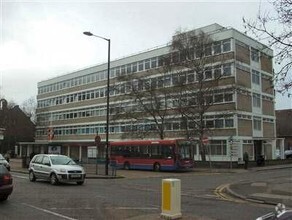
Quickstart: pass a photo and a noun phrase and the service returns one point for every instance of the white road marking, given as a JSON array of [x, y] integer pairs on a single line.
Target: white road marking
[[21, 177], [49, 212], [72, 208]]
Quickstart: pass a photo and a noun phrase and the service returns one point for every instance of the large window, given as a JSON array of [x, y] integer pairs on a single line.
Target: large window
[[257, 124], [255, 77], [256, 100], [226, 45], [255, 55], [218, 147]]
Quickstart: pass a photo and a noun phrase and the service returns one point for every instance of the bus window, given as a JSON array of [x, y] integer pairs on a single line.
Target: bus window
[[155, 151], [144, 151], [186, 149], [167, 152]]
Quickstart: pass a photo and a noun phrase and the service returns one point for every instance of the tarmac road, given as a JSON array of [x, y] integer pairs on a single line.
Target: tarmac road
[[264, 191]]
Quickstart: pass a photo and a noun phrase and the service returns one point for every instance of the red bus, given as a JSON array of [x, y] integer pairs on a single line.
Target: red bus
[[153, 154]]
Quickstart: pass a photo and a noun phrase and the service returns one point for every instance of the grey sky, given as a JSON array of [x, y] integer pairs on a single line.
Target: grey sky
[[43, 39]]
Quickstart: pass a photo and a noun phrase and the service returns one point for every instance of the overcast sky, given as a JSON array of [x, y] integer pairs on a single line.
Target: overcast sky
[[43, 39]]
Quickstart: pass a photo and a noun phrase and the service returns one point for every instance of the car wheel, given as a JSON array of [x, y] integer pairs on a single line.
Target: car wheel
[[31, 176], [3, 198], [80, 182], [54, 179], [156, 167]]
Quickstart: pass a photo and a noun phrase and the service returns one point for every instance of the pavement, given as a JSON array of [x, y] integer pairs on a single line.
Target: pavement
[[271, 191]]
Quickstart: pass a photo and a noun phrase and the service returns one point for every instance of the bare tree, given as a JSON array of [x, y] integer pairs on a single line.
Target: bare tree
[[29, 108], [146, 104], [277, 31], [197, 84], [181, 91]]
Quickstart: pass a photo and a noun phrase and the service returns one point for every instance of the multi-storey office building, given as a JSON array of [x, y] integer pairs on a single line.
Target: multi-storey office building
[[73, 106]]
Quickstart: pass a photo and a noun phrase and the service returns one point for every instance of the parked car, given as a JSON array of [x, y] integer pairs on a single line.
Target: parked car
[[288, 154], [6, 186], [56, 169], [281, 213], [4, 162]]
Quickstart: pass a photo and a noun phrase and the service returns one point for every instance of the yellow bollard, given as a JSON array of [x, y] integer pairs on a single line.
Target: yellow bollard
[[171, 199]]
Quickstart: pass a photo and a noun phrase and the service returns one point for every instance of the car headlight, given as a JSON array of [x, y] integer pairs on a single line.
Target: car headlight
[[63, 170]]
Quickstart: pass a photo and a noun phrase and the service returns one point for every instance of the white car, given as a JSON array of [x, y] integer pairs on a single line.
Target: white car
[[288, 153], [55, 168], [4, 162]]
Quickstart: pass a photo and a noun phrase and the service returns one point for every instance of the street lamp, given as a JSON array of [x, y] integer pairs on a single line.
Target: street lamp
[[107, 99]]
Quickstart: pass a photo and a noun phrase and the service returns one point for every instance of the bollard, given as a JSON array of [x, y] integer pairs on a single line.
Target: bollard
[[171, 199]]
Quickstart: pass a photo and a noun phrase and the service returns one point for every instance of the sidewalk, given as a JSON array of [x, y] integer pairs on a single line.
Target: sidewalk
[[272, 191]]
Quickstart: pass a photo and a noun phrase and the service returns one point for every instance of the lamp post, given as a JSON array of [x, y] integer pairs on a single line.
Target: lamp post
[[107, 99]]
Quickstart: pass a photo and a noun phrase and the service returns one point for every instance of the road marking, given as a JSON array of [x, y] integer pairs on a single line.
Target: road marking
[[49, 212], [135, 208], [86, 208], [219, 192], [21, 177]]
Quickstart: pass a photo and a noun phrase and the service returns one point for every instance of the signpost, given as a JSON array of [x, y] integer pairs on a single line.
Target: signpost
[[97, 141], [205, 141]]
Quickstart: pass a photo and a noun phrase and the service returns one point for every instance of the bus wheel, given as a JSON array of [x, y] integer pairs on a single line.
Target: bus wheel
[[127, 166], [156, 167]]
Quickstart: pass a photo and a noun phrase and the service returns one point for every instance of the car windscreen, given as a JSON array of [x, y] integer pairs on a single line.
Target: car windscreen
[[62, 160], [3, 169], [186, 149], [1, 157]]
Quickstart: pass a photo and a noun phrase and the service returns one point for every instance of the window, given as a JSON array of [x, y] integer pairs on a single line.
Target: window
[[134, 67], [167, 81], [256, 100], [228, 123], [123, 70], [210, 124], [219, 123], [112, 73], [227, 69], [217, 72], [191, 77], [228, 97], [217, 47], [118, 71], [141, 65], [257, 124], [147, 64], [208, 99], [46, 160], [129, 68], [218, 98], [208, 50], [255, 77], [154, 62], [175, 79], [255, 55], [208, 73], [226, 45], [218, 147]]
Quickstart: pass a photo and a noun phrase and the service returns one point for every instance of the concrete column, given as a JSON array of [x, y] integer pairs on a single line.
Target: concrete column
[[80, 153], [42, 149], [68, 154], [20, 150]]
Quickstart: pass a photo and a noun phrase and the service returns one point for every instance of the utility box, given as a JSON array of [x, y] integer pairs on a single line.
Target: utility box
[[171, 199]]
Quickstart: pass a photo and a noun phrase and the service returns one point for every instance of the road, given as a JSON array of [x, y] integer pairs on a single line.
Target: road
[[131, 198]]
